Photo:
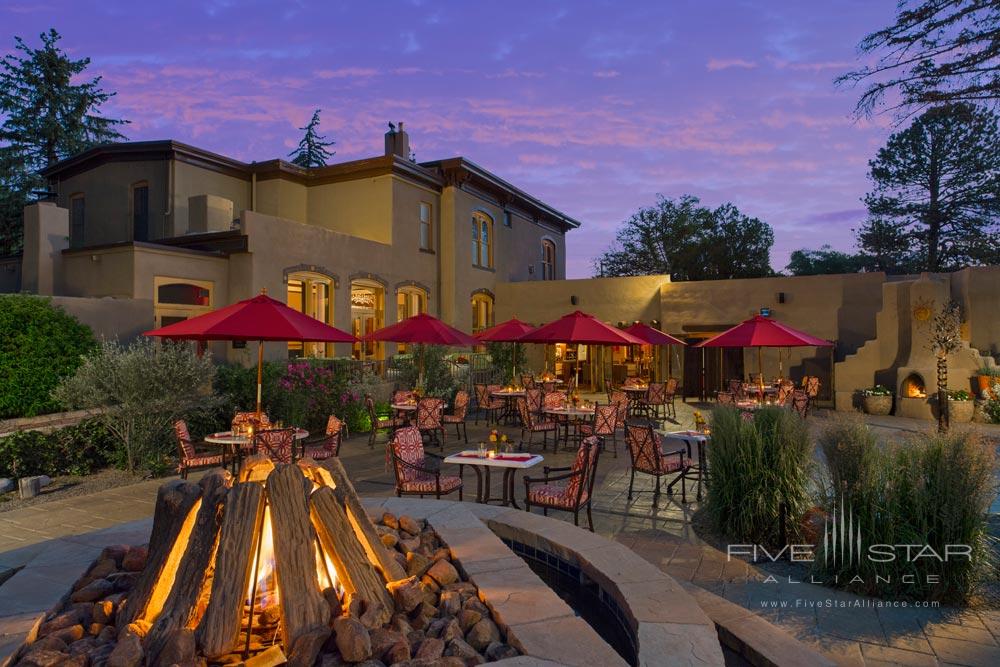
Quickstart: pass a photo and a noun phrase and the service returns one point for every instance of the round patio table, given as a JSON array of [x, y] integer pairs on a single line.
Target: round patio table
[[509, 397], [234, 443], [634, 394], [569, 416]]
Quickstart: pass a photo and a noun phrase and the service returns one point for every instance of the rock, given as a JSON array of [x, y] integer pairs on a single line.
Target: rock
[[476, 605], [400, 624], [398, 652], [468, 618], [102, 568], [415, 637], [431, 648], [443, 552], [482, 634], [6, 485], [463, 588], [127, 652], [71, 634], [382, 639], [103, 612], [60, 621], [443, 572], [108, 634], [417, 564], [43, 657], [29, 487], [85, 645], [500, 651], [461, 649], [389, 519], [307, 646], [78, 660], [400, 558], [116, 552], [95, 629], [389, 540], [353, 640], [373, 615], [178, 647], [406, 593], [135, 559], [44, 480], [355, 606], [123, 581], [450, 603], [409, 524], [408, 545], [452, 630], [95, 590], [51, 643]]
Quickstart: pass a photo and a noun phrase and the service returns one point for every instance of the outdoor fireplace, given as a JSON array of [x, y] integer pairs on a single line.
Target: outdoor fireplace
[[913, 387]]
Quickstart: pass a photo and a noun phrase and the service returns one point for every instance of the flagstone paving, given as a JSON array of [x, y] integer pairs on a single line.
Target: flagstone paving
[[44, 547]]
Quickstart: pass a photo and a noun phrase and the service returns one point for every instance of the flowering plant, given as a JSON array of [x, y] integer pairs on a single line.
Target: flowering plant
[[877, 390]]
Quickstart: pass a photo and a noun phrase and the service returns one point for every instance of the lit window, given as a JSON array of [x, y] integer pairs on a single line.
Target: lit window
[[482, 240], [482, 312], [410, 301], [548, 260], [425, 226], [76, 221], [176, 300], [312, 295]]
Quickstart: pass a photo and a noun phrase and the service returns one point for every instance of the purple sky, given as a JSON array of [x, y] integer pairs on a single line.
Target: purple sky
[[595, 107]]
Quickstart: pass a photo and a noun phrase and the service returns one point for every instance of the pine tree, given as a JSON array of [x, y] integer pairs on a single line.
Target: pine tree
[[312, 150], [46, 117], [937, 187]]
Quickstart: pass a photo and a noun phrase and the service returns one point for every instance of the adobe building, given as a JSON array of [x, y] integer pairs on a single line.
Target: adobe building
[[143, 234]]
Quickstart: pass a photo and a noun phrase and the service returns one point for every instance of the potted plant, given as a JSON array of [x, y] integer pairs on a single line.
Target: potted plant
[[986, 377], [877, 400], [960, 406]]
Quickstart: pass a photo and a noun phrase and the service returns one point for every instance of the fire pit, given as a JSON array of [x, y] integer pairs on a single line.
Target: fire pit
[[280, 565]]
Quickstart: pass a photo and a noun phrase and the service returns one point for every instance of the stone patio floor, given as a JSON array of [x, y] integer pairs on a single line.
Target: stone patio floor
[[57, 539]]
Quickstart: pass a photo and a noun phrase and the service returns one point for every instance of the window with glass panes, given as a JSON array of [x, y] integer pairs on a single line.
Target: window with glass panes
[[548, 260], [426, 238], [482, 240]]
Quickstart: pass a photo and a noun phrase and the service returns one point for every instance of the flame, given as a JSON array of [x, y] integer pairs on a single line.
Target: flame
[[266, 582], [326, 571]]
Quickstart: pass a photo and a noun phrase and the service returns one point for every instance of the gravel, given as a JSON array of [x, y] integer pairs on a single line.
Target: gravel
[[69, 486]]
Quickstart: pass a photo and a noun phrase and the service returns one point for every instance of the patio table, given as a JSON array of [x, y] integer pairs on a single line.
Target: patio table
[[509, 397], [691, 439], [510, 463], [634, 394], [568, 416], [235, 443]]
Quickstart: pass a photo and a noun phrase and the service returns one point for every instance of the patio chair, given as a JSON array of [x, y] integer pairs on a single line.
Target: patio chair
[[527, 380], [387, 424], [188, 458], [486, 403], [548, 386], [646, 450], [553, 399], [429, 420], [669, 396], [576, 493], [418, 473], [725, 398], [242, 419], [812, 388], [785, 390], [532, 425], [735, 386], [619, 399], [633, 381], [275, 443], [403, 396], [800, 402], [604, 425], [457, 416], [329, 444], [534, 399], [655, 400]]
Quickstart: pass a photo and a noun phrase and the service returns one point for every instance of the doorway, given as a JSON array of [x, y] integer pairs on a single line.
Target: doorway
[[367, 316]]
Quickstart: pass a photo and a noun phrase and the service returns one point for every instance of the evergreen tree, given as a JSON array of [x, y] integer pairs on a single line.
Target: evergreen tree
[[312, 150], [46, 117], [824, 261], [937, 185]]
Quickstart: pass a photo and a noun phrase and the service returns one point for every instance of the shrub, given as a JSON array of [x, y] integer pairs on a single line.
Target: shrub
[[760, 461], [933, 490], [877, 390], [502, 356], [438, 378], [40, 344], [142, 388], [74, 450]]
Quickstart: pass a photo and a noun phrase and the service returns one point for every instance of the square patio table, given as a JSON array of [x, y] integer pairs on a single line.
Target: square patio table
[[510, 463]]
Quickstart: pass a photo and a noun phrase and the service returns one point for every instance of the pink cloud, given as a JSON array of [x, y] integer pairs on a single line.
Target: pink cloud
[[607, 74], [716, 64], [346, 72]]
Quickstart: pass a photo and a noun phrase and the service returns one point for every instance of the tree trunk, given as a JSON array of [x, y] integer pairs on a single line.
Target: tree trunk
[[303, 607], [942, 383], [933, 219], [173, 520], [195, 566], [219, 630]]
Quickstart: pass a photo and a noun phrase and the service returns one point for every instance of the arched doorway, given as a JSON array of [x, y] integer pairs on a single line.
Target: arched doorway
[[410, 301], [312, 294], [367, 316]]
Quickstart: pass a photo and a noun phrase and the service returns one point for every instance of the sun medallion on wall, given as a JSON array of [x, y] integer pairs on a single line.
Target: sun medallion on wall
[[923, 311]]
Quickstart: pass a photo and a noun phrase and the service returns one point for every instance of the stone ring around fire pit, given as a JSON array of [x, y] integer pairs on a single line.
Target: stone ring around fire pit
[[286, 565]]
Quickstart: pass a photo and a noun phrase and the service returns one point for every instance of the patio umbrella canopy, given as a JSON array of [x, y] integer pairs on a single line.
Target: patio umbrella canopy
[[761, 332], [581, 329], [261, 319], [425, 329], [654, 337], [510, 331]]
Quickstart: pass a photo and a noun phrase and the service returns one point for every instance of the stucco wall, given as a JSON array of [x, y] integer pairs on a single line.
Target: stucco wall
[[111, 319], [978, 290], [361, 208], [191, 180], [282, 198]]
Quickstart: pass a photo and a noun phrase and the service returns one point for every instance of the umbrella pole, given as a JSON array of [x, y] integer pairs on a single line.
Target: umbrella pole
[[260, 374], [420, 375], [760, 371]]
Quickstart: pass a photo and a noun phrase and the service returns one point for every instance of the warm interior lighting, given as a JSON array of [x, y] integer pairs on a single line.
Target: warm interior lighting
[[913, 387]]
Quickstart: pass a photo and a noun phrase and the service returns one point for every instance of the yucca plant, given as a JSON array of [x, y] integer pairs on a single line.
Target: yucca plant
[[933, 490], [760, 465]]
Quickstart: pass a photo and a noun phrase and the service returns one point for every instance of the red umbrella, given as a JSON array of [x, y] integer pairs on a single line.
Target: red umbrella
[[506, 332], [423, 328], [581, 329], [654, 337], [761, 332], [261, 319]]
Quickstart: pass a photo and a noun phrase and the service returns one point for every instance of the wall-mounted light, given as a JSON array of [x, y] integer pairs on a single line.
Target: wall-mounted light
[[95, 258], [765, 311], [531, 268], [655, 324], [572, 299]]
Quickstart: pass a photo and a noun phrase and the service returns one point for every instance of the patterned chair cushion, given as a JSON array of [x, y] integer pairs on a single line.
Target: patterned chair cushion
[[422, 482], [201, 460], [318, 452], [409, 447], [543, 426], [555, 495]]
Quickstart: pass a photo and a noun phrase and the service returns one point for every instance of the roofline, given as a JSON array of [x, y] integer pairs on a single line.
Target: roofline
[[474, 169]]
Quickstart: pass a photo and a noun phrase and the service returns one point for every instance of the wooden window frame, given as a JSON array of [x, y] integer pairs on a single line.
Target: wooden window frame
[[429, 224]]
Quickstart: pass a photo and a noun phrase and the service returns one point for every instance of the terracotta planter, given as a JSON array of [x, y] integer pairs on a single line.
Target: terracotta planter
[[877, 405], [960, 412], [985, 383]]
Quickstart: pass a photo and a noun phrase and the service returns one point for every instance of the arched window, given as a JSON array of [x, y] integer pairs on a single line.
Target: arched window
[[482, 312], [367, 315], [548, 260], [410, 301], [178, 299], [311, 294], [482, 240]]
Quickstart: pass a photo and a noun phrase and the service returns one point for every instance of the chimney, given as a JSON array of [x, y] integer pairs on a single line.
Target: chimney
[[397, 142]]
